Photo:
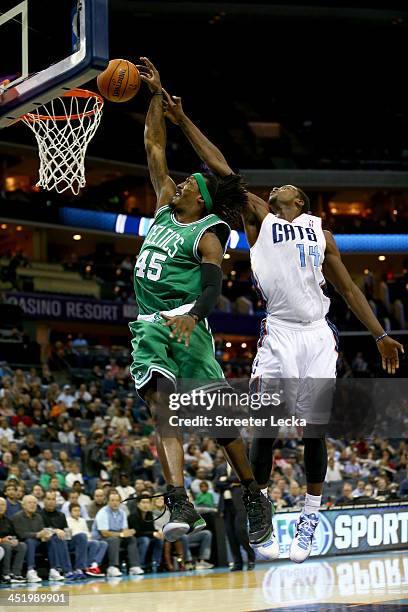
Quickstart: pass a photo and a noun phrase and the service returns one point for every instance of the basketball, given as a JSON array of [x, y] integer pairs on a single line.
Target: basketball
[[120, 81]]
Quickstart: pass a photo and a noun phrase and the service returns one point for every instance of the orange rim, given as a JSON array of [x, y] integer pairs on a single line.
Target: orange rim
[[74, 93]]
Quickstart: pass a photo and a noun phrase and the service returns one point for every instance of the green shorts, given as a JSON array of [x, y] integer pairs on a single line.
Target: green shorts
[[155, 353]]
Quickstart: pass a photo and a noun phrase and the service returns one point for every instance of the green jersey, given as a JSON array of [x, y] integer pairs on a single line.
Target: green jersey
[[167, 272]]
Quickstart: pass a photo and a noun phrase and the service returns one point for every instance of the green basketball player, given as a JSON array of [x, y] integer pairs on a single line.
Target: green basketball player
[[177, 281]]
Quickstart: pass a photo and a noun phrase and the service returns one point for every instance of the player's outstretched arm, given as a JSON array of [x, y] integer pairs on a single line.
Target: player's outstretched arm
[[337, 274], [155, 135], [205, 149], [256, 209]]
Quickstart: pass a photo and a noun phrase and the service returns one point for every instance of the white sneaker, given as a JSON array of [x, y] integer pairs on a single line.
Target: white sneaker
[[203, 565], [113, 572], [301, 545], [136, 571], [55, 575], [32, 576], [268, 550]]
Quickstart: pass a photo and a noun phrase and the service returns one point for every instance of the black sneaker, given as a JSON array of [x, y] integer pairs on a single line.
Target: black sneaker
[[5, 580], [183, 518], [17, 579], [259, 510]]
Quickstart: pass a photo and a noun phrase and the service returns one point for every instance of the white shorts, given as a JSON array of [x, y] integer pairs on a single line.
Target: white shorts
[[303, 358]]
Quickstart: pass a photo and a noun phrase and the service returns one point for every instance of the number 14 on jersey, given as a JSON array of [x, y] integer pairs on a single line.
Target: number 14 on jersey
[[313, 252]]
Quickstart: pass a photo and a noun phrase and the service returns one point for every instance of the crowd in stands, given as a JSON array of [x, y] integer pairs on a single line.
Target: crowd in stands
[[72, 452]]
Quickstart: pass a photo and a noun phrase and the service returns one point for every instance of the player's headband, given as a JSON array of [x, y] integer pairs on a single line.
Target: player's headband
[[202, 185]]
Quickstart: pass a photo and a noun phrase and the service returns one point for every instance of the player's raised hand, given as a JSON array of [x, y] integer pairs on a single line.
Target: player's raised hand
[[182, 327], [150, 75], [173, 109], [390, 349]]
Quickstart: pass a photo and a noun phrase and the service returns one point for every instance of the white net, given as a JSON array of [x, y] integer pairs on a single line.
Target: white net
[[63, 129]]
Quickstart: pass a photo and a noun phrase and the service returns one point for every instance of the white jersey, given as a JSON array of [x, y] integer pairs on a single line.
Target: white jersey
[[286, 264]]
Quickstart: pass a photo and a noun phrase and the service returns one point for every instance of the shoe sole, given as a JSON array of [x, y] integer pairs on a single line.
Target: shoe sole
[[174, 531]]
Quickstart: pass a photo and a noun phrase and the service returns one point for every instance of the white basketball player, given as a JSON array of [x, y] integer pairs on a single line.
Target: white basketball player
[[291, 258]]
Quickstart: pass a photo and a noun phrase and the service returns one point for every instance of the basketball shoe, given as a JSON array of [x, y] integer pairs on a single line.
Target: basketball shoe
[[260, 529], [301, 545], [183, 516]]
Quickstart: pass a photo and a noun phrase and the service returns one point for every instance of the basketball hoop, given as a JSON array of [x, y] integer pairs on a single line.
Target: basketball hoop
[[63, 129]]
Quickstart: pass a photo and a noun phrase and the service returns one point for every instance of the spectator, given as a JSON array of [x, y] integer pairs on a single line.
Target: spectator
[[368, 492], [333, 473], [6, 462], [203, 539], [277, 499], [67, 396], [205, 496], [83, 499], [29, 527], [111, 526], [82, 396], [94, 457], [57, 522], [99, 501], [347, 496], [5, 430], [121, 422], [50, 473], [73, 475], [96, 549], [201, 475], [233, 509], [80, 342], [382, 491], [73, 499], [31, 446], [147, 536], [13, 505], [21, 417], [14, 551], [47, 457], [67, 435], [295, 495], [124, 489], [55, 486], [359, 490], [39, 493], [352, 468]]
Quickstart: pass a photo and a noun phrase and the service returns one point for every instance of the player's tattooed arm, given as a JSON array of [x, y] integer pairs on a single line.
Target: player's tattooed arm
[[337, 274], [212, 254], [155, 137]]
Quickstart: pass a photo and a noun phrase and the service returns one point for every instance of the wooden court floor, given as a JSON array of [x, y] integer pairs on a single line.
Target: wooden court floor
[[361, 582]]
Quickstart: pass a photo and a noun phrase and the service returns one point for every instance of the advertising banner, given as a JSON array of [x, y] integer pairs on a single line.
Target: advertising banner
[[343, 531]]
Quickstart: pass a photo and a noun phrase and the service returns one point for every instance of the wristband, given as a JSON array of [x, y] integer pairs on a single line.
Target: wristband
[[381, 337], [158, 93]]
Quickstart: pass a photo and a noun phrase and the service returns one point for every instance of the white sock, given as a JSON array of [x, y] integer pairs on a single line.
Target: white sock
[[265, 492], [94, 564], [312, 504]]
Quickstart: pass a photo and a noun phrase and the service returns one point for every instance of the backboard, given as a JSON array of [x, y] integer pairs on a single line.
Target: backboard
[[49, 47]]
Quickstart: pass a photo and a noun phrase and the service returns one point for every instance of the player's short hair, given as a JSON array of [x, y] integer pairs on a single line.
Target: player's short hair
[[74, 505], [228, 195], [305, 199]]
